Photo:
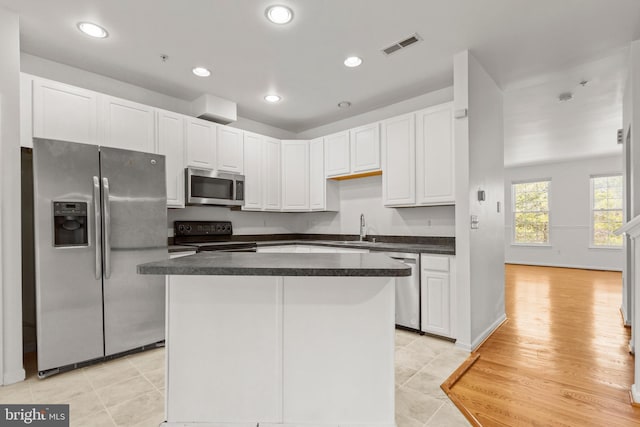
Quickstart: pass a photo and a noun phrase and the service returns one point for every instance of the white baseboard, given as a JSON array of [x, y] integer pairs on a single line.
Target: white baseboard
[[13, 377], [579, 267], [463, 346], [483, 336], [635, 394]]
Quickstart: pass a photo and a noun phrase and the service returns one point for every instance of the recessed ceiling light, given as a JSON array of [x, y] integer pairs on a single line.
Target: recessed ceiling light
[[279, 14], [272, 98], [344, 104], [352, 61], [93, 30], [201, 72]]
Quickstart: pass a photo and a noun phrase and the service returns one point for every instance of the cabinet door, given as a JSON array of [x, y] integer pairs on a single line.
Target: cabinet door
[[435, 295], [127, 125], [253, 145], [201, 143], [337, 152], [435, 155], [317, 179], [229, 153], [365, 148], [64, 112], [295, 175], [171, 144], [272, 173], [398, 161]]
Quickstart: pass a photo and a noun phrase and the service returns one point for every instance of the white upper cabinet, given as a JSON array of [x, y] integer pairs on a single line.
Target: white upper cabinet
[[272, 173], [64, 112], [171, 138], [295, 175], [253, 181], [323, 193], [229, 152], [398, 161], [127, 125], [365, 148], [435, 155], [337, 151], [201, 143]]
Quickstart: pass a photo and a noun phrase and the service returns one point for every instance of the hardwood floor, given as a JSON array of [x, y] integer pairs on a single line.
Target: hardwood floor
[[561, 358]]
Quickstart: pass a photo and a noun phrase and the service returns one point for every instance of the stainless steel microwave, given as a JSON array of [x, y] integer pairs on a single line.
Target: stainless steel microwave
[[207, 187]]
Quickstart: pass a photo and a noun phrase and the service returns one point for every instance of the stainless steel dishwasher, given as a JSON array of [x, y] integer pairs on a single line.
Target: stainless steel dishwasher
[[408, 292]]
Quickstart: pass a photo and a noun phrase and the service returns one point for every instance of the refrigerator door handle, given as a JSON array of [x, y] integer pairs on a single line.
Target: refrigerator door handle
[[98, 225], [107, 228]]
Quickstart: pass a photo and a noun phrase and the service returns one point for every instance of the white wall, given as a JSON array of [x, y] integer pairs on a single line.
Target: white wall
[[10, 265], [75, 76], [243, 222], [570, 215], [479, 166], [413, 104], [364, 195]]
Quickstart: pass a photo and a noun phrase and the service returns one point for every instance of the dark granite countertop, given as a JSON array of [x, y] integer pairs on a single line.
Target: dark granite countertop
[[270, 264], [374, 247], [180, 248], [447, 248]]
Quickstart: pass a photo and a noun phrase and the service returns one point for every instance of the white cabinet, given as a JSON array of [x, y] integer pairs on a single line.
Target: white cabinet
[[64, 112], [435, 156], [171, 144], [127, 125], [201, 143], [436, 282], [337, 152], [253, 181], [398, 161], [365, 148], [323, 193], [295, 175], [229, 151], [272, 175]]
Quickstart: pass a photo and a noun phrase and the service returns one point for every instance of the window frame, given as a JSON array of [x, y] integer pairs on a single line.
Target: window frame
[[592, 209], [513, 212]]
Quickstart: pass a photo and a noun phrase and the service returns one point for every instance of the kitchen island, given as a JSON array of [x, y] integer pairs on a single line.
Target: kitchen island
[[274, 339]]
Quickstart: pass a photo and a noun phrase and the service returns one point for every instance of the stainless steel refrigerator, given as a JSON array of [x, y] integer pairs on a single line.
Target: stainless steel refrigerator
[[98, 212]]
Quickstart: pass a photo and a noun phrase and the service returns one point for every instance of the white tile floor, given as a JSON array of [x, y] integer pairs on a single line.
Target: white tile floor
[[130, 391]]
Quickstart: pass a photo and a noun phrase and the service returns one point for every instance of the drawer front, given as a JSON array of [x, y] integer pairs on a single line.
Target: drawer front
[[436, 263]]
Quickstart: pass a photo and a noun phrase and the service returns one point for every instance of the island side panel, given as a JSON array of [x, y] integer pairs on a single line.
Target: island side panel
[[339, 350], [224, 349]]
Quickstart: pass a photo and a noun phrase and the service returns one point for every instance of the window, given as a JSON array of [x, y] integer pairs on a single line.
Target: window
[[606, 210], [531, 212]]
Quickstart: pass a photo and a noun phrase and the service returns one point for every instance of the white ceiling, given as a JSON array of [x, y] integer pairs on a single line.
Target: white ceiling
[[516, 41]]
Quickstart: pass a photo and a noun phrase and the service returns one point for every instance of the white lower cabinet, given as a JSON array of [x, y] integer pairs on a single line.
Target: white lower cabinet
[[436, 288]]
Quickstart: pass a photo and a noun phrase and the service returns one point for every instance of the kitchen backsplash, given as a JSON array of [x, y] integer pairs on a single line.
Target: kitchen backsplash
[[357, 196]]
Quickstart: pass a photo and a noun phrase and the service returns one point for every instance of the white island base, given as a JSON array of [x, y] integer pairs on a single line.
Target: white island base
[[274, 350]]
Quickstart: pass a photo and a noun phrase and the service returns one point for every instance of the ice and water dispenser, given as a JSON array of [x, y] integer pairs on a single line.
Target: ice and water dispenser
[[70, 226]]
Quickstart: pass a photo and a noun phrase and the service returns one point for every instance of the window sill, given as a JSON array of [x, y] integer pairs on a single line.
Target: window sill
[[532, 245], [615, 248]]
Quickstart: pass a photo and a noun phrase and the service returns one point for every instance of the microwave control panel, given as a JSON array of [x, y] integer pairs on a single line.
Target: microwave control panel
[[202, 228]]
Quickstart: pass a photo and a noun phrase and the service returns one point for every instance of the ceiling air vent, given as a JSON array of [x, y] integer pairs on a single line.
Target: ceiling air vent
[[401, 44]]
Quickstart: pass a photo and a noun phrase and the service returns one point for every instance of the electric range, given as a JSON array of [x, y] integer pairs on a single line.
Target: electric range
[[209, 236]]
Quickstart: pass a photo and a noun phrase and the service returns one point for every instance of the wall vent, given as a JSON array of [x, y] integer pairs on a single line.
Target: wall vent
[[413, 39]]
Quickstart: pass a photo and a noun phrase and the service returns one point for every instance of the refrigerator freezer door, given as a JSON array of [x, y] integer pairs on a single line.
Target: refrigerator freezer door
[[68, 289], [135, 232]]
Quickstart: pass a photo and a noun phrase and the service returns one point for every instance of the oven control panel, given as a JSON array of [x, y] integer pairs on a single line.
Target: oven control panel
[[202, 228]]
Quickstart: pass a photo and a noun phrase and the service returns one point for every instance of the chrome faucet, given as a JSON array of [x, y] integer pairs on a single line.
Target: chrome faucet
[[363, 233]]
